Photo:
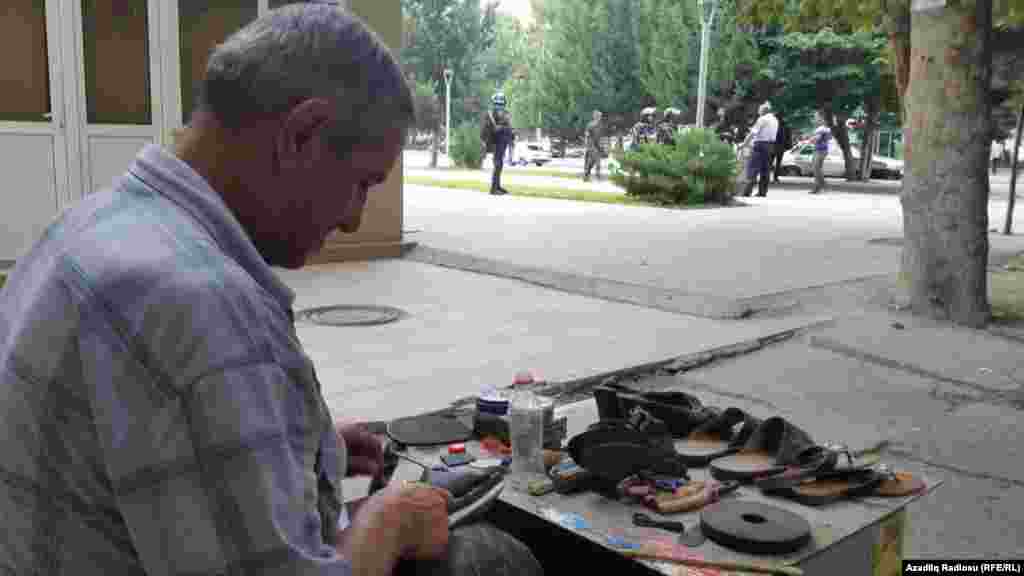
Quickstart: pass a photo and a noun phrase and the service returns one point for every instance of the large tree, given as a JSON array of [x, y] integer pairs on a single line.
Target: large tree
[[942, 54]]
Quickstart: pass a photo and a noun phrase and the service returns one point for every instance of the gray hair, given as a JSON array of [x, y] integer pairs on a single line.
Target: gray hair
[[764, 108], [302, 51]]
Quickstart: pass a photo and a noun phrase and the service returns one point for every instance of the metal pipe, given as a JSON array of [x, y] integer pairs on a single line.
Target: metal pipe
[[702, 84]]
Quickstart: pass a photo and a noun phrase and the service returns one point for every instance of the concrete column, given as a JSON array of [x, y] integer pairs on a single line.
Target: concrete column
[[380, 235]]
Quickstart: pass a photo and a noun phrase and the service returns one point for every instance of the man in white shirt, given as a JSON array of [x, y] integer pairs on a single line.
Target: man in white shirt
[[996, 155], [762, 135]]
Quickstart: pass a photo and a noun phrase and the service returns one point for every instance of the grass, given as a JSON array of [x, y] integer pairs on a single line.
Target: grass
[[531, 191], [1006, 291], [526, 172], [3, 279]]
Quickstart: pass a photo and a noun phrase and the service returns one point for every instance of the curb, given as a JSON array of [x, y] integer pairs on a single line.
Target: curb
[[678, 364], [703, 305]]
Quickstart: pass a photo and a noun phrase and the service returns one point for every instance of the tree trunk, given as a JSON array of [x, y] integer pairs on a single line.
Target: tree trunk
[[947, 122], [842, 135], [867, 148], [1008, 225]]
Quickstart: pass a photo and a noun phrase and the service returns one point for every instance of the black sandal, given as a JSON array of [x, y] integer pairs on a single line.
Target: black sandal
[[721, 435], [680, 411], [830, 486], [775, 447]]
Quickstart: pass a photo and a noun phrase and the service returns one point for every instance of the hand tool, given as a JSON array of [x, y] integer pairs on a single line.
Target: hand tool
[[641, 519]]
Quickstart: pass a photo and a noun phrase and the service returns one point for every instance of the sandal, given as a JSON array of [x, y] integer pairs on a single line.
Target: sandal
[[830, 463], [616, 449], [717, 437], [774, 448], [831, 486], [680, 411], [897, 484]]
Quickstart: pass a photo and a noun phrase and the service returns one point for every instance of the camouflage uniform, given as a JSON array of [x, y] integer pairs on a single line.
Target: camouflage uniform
[[644, 131], [594, 153], [668, 127]]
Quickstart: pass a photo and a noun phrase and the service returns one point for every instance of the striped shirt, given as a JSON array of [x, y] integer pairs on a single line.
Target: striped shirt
[[157, 413]]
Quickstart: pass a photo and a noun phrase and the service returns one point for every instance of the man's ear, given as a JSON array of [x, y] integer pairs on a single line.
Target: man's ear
[[302, 136]]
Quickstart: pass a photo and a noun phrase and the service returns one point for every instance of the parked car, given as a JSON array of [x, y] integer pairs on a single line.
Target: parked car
[[530, 153], [799, 161]]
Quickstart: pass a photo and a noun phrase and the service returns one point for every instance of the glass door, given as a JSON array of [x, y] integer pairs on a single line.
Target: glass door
[[32, 122], [118, 80]]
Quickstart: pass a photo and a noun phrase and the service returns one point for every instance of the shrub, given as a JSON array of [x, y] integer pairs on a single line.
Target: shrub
[[467, 150], [699, 169]]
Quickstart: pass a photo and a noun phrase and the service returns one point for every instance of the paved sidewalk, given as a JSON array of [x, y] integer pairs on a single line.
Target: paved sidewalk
[[787, 241], [468, 331]]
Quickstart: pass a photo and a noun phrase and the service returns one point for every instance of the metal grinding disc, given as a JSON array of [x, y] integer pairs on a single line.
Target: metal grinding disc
[[755, 528], [429, 430]]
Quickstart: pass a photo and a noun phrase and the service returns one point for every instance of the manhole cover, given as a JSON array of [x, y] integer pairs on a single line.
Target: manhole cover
[[351, 315], [887, 241]]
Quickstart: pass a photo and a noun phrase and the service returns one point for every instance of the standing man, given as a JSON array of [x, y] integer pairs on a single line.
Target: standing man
[[822, 138], [996, 155], [497, 136], [159, 413], [783, 141], [643, 131], [594, 153], [722, 128], [669, 126], [762, 135]]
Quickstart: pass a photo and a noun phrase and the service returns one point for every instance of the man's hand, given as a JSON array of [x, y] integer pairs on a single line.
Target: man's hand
[[401, 521], [365, 455]]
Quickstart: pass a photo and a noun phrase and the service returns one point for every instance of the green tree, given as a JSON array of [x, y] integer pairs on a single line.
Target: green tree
[[837, 74], [946, 93], [442, 34], [668, 29]]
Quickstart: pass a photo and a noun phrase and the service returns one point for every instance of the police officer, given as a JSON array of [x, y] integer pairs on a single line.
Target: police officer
[[669, 126], [592, 159], [762, 135], [644, 130], [496, 134]]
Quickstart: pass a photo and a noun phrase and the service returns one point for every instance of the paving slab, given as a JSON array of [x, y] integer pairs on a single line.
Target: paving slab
[[840, 398], [966, 517], [977, 359], [467, 331]]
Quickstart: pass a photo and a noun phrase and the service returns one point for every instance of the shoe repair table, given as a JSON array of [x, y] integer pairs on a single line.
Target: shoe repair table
[[855, 538]]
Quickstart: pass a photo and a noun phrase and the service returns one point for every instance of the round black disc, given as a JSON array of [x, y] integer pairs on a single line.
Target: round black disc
[[755, 528]]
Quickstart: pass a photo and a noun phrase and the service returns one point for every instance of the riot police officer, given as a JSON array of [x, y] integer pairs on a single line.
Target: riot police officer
[[496, 134], [644, 130], [669, 126]]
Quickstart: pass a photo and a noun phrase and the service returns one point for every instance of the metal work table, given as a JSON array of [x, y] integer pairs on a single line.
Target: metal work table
[[856, 538]]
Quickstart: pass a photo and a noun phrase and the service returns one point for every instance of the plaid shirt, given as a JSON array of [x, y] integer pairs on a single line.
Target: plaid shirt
[[157, 413]]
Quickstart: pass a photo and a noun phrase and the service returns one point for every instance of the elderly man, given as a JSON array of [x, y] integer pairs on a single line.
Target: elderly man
[[762, 136], [158, 414]]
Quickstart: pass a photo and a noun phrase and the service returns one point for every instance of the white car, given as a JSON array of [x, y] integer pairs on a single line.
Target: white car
[[530, 153], [799, 161]]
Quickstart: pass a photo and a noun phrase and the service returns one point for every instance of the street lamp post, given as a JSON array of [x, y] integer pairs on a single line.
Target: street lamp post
[[448, 73], [707, 9]]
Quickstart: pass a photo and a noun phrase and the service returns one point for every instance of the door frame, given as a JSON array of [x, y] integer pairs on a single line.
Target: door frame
[[57, 125], [80, 130], [171, 65]]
